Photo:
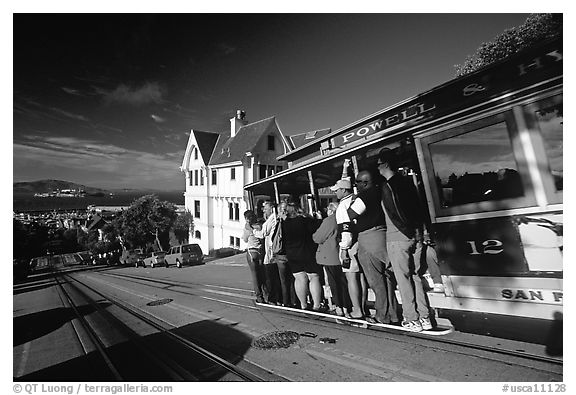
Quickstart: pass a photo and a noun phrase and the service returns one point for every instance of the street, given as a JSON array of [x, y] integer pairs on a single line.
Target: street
[[212, 304]]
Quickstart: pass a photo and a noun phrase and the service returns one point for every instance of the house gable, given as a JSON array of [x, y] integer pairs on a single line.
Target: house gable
[[247, 139], [204, 142]]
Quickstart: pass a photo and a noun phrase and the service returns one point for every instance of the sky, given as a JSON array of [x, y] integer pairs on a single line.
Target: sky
[[108, 100]]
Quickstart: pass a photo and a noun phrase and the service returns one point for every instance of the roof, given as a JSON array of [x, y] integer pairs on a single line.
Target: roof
[[206, 142], [234, 148], [96, 222], [298, 140]]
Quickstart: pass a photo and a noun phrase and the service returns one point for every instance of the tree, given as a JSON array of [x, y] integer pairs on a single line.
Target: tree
[[28, 239], [183, 225], [111, 230], [536, 28], [147, 220]]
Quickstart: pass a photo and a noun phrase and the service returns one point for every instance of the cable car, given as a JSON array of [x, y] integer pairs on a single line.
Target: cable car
[[485, 151]]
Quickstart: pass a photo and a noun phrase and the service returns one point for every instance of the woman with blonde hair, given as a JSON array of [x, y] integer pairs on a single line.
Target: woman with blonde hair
[[300, 251]]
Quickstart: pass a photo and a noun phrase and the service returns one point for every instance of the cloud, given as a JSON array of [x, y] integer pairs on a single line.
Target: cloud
[[175, 136], [38, 110], [157, 118], [120, 167], [150, 92], [72, 91], [77, 117]]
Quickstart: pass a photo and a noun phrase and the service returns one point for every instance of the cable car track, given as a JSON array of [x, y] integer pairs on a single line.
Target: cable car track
[[303, 316], [175, 371]]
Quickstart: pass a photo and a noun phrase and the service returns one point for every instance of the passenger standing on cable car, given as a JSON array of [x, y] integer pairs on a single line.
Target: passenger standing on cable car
[[270, 268], [404, 222], [326, 236], [371, 227], [297, 230], [348, 246], [285, 277], [254, 256]]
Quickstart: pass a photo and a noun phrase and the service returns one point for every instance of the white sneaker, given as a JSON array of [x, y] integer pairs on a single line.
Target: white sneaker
[[412, 326], [438, 288], [425, 323]]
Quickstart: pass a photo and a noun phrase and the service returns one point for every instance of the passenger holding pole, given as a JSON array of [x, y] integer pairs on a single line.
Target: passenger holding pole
[[373, 256], [270, 267], [348, 246], [404, 221], [254, 255]]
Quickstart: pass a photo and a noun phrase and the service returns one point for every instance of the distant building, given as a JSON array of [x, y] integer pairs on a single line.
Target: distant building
[[217, 166], [97, 223]]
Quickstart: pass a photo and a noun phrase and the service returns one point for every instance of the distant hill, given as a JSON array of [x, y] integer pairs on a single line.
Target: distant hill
[[44, 186]]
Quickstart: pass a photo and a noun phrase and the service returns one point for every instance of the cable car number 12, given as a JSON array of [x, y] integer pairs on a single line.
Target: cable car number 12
[[491, 247]]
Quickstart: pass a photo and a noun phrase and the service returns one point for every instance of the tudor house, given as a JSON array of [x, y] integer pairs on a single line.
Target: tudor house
[[217, 165]]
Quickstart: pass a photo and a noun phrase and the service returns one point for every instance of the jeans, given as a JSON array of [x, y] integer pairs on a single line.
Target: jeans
[[338, 286], [287, 284], [373, 258], [273, 283], [428, 260], [406, 264], [254, 259]]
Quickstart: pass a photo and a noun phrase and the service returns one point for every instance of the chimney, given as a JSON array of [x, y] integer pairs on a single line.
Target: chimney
[[237, 122]]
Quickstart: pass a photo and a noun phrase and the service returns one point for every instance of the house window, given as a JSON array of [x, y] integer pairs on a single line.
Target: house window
[[201, 177], [278, 169], [197, 208], [233, 173], [271, 143], [231, 241], [237, 242], [213, 177], [195, 177], [197, 235], [271, 170], [196, 153], [190, 177], [233, 211]]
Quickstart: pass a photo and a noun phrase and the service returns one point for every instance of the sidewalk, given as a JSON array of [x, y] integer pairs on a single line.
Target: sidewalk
[[238, 259]]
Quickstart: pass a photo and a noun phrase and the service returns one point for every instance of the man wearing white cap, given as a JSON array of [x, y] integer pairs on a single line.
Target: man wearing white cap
[[348, 245]]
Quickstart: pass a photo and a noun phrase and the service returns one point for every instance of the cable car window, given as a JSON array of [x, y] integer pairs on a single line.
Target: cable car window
[[477, 166], [550, 121]]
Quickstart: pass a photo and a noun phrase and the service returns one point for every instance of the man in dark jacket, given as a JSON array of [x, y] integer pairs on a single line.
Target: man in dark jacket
[[366, 211], [404, 227]]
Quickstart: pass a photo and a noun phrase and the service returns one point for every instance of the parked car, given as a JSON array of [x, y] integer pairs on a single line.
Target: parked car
[[33, 264], [132, 257], [98, 259], [156, 258], [85, 257], [111, 258], [184, 254]]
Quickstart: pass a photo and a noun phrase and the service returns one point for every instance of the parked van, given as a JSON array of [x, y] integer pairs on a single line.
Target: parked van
[[184, 254]]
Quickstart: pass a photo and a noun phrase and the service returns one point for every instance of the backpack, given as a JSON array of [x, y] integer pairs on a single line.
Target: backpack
[[278, 253]]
